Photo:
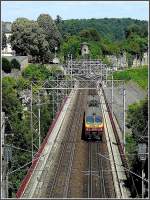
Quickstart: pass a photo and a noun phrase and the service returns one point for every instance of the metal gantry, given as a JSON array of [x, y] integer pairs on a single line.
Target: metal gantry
[[87, 68]]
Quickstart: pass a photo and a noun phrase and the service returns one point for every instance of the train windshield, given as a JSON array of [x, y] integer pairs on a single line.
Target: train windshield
[[89, 119], [98, 119]]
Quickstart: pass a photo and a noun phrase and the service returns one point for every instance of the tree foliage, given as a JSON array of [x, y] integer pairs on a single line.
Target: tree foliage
[[114, 36], [58, 20], [111, 28], [138, 118], [36, 39], [4, 40], [36, 72], [71, 46], [89, 34], [19, 119], [6, 66], [138, 122], [15, 64], [28, 39], [50, 30]]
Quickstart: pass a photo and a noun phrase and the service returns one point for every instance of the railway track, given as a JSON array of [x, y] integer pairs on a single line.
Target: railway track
[[59, 185], [78, 170], [100, 184]]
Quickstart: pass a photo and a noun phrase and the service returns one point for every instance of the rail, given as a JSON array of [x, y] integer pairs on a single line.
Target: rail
[[61, 179]]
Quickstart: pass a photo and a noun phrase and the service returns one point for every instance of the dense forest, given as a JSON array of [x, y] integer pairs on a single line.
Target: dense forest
[[104, 36], [111, 28]]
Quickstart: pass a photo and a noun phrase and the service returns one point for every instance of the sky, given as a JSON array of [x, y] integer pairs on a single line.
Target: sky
[[10, 10]]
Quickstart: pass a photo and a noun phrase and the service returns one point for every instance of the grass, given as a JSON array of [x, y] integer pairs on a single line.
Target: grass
[[138, 75]]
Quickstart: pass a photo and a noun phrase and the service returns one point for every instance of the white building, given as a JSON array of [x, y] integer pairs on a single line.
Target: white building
[[6, 28]]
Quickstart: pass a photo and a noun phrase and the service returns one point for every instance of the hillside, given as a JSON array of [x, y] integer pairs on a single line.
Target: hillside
[[139, 76], [112, 28]]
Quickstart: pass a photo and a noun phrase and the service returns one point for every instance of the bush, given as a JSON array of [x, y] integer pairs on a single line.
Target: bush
[[6, 66], [15, 64]]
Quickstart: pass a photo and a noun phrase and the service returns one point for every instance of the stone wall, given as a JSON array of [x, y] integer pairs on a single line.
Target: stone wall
[[15, 73], [23, 60]]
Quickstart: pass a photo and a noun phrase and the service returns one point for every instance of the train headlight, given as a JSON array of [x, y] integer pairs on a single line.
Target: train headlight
[[100, 126]]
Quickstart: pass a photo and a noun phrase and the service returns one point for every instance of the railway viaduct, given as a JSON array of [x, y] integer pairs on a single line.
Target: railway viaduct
[[65, 166]]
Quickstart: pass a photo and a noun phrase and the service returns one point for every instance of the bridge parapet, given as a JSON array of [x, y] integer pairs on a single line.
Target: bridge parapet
[[37, 156]]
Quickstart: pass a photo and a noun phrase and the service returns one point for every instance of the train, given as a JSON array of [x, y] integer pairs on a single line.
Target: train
[[93, 120]]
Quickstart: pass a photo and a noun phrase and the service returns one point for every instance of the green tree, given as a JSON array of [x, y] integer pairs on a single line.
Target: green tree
[[138, 118], [71, 46], [95, 50], [36, 72], [6, 66], [58, 20], [15, 64], [90, 34], [4, 40], [28, 39], [50, 30]]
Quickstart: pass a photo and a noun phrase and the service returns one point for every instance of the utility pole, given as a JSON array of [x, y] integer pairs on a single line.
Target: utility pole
[[31, 120], [143, 175], [39, 112], [68, 64], [142, 148], [7, 184], [124, 116], [112, 92], [90, 65], [106, 73], [71, 70], [53, 106]]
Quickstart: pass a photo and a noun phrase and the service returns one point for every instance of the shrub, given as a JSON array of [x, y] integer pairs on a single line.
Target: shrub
[[15, 64], [6, 66]]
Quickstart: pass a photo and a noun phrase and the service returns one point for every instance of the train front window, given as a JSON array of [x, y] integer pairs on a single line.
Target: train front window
[[89, 119], [98, 119]]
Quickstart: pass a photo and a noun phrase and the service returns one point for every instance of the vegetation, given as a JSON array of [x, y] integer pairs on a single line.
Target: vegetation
[[36, 39], [19, 119], [138, 118], [112, 28], [71, 46], [131, 148], [105, 37], [15, 64], [36, 72], [50, 30], [4, 40], [6, 66], [137, 121], [113, 35], [138, 75]]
